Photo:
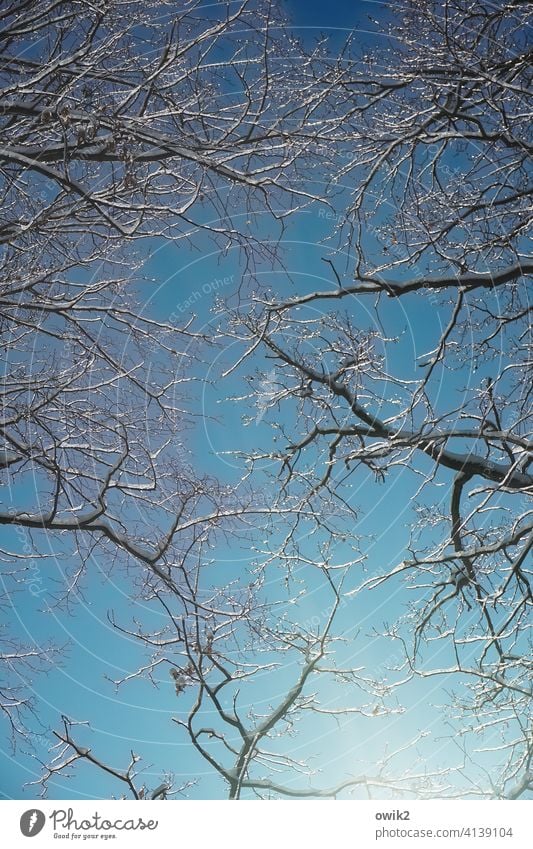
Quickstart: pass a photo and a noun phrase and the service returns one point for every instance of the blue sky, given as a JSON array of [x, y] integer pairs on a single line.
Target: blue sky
[[339, 16], [139, 716]]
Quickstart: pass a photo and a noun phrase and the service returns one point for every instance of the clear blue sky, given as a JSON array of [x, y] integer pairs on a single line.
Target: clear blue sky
[[139, 716]]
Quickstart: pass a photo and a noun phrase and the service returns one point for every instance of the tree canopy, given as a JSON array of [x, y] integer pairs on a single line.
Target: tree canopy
[[306, 488]]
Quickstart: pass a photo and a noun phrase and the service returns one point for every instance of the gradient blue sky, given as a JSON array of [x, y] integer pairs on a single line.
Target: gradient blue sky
[[139, 716]]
